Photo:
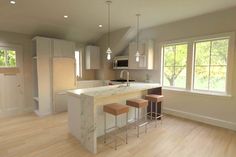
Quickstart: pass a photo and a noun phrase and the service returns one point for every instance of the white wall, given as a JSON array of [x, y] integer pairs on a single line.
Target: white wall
[[215, 110], [119, 41]]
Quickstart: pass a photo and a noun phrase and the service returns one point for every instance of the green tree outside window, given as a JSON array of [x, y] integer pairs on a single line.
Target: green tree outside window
[[7, 58]]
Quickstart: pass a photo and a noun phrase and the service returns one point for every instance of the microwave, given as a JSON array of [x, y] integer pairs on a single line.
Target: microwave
[[121, 62]]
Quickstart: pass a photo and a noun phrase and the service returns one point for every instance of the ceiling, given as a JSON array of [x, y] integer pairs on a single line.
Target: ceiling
[[45, 17]]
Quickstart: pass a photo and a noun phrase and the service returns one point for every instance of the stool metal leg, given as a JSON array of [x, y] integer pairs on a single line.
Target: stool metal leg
[[151, 110], [116, 133], [145, 119], [156, 115], [138, 123], [104, 127], [127, 128], [161, 113]]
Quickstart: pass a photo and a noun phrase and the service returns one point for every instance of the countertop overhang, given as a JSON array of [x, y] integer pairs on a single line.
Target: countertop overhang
[[113, 89]]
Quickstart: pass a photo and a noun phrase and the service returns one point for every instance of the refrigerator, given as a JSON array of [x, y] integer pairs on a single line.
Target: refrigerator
[[64, 78]]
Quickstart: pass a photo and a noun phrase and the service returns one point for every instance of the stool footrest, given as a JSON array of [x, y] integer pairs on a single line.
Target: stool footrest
[[143, 124]]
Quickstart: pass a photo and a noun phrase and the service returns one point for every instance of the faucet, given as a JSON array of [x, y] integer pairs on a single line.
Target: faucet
[[127, 76]]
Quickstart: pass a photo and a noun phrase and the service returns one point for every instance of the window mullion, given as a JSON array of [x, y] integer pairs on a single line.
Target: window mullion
[[174, 63], [209, 72], [5, 54], [190, 66]]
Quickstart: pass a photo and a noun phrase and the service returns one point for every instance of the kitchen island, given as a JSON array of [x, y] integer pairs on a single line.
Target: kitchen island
[[85, 109]]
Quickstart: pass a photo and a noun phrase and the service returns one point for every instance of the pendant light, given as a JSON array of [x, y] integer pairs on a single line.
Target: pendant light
[[137, 55], [109, 30]]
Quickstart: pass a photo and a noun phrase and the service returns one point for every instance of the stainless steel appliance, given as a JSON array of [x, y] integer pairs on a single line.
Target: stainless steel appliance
[[121, 62]]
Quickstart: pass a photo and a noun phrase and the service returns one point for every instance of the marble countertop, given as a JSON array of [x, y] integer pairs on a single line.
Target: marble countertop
[[113, 89]]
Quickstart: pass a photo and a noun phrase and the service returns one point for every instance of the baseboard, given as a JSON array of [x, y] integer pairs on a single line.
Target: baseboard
[[15, 112], [201, 118], [40, 114]]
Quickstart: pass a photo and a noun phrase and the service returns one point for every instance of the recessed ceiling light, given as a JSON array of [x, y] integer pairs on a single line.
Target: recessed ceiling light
[[13, 2], [100, 26], [66, 16]]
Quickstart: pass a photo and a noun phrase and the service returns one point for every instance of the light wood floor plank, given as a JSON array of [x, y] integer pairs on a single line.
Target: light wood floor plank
[[31, 136]]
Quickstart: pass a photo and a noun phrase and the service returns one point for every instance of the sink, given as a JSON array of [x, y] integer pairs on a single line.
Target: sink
[[122, 80]]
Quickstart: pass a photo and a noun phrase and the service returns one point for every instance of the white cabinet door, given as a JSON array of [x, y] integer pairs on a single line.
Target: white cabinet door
[[44, 52], [146, 60], [92, 57], [63, 79], [132, 55], [63, 48]]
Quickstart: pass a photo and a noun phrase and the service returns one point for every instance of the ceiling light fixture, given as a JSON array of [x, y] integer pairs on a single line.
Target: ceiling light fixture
[[137, 55], [100, 26], [13, 2], [109, 30], [66, 16]]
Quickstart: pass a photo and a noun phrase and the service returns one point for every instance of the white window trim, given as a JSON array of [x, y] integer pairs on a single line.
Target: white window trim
[[190, 62], [80, 62]]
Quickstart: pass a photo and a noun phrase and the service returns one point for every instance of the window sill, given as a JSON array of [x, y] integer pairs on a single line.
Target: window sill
[[200, 93], [9, 70]]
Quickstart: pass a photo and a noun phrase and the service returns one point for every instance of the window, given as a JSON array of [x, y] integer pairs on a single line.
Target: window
[[78, 64], [199, 64], [174, 67], [210, 67], [7, 58]]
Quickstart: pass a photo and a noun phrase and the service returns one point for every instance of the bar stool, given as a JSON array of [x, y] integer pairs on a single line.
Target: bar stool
[[139, 104], [155, 99], [115, 109]]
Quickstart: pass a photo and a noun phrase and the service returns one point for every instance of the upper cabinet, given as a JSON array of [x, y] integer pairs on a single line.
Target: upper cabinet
[[146, 50], [63, 48], [92, 57]]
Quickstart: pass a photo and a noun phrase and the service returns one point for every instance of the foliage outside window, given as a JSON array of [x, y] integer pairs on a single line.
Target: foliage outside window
[[208, 67], [174, 67], [7, 58]]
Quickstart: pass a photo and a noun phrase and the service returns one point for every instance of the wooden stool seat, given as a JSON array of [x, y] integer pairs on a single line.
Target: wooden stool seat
[[154, 98], [137, 103], [115, 109]]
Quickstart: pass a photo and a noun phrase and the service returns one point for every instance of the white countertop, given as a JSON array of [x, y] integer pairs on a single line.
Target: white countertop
[[113, 89]]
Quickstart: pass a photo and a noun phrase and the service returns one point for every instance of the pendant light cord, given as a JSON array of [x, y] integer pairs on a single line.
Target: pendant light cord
[[109, 29], [137, 30]]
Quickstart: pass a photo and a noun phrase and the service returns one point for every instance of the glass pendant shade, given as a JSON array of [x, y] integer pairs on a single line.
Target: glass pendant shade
[[137, 55], [109, 53]]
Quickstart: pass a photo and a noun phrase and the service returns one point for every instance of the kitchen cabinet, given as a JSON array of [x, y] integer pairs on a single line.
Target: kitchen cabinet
[[63, 48], [92, 57], [146, 50], [53, 72]]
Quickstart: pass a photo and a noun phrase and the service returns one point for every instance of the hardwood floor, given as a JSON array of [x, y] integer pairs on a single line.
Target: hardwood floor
[[30, 136]]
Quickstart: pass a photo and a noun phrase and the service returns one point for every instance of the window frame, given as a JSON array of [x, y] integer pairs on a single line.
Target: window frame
[[80, 64], [191, 63], [163, 66]]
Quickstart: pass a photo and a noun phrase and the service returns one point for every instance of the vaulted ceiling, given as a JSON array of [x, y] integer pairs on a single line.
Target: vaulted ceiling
[[46, 17]]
